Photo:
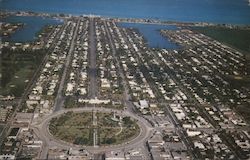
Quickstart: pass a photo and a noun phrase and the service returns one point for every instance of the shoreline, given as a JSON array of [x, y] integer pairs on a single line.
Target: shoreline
[[120, 19]]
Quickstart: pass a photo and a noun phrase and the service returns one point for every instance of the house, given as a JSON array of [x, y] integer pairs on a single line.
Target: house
[[24, 117], [143, 104]]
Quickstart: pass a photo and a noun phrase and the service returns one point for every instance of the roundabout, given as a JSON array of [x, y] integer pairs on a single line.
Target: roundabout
[[94, 129]]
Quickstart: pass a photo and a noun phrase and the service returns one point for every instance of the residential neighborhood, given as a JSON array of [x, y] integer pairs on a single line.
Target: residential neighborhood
[[182, 103]]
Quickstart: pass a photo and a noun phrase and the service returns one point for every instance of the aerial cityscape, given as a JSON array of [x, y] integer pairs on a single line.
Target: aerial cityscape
[[111, 82]]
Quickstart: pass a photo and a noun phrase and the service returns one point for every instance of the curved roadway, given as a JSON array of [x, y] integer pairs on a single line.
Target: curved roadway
[[42, 130]]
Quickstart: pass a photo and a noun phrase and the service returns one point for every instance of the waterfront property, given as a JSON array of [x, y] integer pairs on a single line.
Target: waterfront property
[[98, 78], [31, 26]]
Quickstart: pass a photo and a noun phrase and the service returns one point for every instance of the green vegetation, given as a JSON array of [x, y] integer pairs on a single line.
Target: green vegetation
[[104, 119], [237, 38], [126, 133], [1, 131], [45, 31], [113, 132], [72, 127], [17, 68], [244, 111], [1, 128], [78, 128], [70, 102]]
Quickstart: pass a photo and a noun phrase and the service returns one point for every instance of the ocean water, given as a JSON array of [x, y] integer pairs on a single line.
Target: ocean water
[[151, 32], [32, 25], [217, 11]]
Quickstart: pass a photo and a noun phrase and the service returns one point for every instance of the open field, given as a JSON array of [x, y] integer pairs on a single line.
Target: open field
[[237, 38], [17, 68], [72, 128]]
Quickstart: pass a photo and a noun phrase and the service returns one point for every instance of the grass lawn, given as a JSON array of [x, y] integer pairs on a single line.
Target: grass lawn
[[104, 119], [78, 128], [116, 135], [73, 128], [17, 68], [237, 38], [17, 84]]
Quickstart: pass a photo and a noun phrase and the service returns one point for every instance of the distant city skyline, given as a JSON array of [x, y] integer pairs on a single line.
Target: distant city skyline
[[223, 11]]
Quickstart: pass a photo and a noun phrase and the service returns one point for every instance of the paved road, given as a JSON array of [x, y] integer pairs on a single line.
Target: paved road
[[120, 71], [27, 90], [92, 72], [126, 96], [59, 101], [179, 129], [41, 129]]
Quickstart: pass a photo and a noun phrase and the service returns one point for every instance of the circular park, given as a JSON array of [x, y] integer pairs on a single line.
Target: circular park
[[94, 128]]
